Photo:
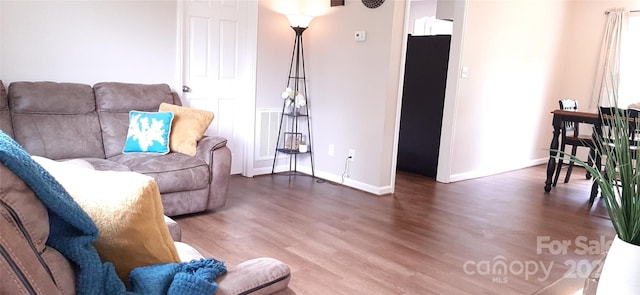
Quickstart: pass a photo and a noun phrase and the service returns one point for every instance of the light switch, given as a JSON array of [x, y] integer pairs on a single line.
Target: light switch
[[465, 72], [360, 36]]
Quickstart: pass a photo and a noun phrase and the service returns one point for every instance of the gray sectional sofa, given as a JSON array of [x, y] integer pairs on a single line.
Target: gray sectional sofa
[[63, 121]]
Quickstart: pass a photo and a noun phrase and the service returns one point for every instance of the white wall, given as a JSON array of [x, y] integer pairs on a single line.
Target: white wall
[[522, 57], [584, 32], [511, 49], [352, 87], [88, 41]]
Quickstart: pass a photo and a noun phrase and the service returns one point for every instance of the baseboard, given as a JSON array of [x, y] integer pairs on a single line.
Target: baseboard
[[382, 190], [492, 171]]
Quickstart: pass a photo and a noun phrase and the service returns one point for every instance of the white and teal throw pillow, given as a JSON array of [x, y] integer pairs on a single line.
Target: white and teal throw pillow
[[148, 132]]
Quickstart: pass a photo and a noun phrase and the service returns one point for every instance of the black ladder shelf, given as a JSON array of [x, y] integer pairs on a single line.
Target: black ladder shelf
[[290, 132]]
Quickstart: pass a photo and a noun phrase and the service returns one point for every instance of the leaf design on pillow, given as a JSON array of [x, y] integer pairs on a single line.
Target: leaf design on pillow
[[146, 133]]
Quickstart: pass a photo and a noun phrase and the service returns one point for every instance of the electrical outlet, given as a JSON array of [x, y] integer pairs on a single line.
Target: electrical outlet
[[352, 155], [332, 149]]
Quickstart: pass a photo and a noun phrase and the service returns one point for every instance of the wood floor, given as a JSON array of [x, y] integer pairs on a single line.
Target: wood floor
[[427, 238]]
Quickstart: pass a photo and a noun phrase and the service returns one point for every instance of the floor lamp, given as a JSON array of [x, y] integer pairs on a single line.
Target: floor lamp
[[295, 106]]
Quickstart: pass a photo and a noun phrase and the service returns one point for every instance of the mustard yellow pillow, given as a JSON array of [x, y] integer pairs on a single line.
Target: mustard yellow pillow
[[187, 128], [127, 210]]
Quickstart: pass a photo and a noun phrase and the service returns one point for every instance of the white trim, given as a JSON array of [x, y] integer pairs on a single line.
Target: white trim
[[403, 61], [385, 190], [450, 111], [350, 182], [379, 191], [179, 71], [252, 52], [493, 171]]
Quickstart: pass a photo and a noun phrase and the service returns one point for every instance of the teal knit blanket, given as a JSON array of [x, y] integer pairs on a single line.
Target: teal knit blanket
[[72, 233]]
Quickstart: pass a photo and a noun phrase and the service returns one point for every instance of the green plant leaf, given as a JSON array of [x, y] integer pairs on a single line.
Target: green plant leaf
[[619, 176]]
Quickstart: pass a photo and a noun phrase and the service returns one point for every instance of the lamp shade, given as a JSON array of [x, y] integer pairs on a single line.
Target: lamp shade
[[299, 21]]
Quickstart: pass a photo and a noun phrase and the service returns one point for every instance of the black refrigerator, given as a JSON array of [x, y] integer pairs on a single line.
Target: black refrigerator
[[425, 79]]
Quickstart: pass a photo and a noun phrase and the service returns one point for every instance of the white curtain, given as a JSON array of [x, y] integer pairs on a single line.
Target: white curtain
[[605, 88]]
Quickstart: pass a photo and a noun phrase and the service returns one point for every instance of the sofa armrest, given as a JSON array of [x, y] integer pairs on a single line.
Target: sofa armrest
[[214, 151], [206, 147], [257, 276], [207, 144]]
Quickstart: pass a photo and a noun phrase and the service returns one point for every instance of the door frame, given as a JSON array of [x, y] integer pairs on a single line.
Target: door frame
[[248, 104]]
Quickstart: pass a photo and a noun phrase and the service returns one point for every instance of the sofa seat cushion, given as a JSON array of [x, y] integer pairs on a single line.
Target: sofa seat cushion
[[96, 164], [174, 172], [104, 164]]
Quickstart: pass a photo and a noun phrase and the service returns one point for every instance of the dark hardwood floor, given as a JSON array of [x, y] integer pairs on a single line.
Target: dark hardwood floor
[[427, 238]]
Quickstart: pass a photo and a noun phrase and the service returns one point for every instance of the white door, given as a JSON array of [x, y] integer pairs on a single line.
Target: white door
[[219, 68]]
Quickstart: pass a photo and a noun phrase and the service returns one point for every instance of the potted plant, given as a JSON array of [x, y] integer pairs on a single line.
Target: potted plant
[[619, 182]]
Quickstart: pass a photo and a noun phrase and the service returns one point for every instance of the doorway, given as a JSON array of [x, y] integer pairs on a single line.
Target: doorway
[[423, 96], [425, 81]]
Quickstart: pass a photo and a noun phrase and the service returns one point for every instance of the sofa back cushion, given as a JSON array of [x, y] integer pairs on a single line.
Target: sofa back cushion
[[5, 116], [115, 100], [27, 264], [56, 120]]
